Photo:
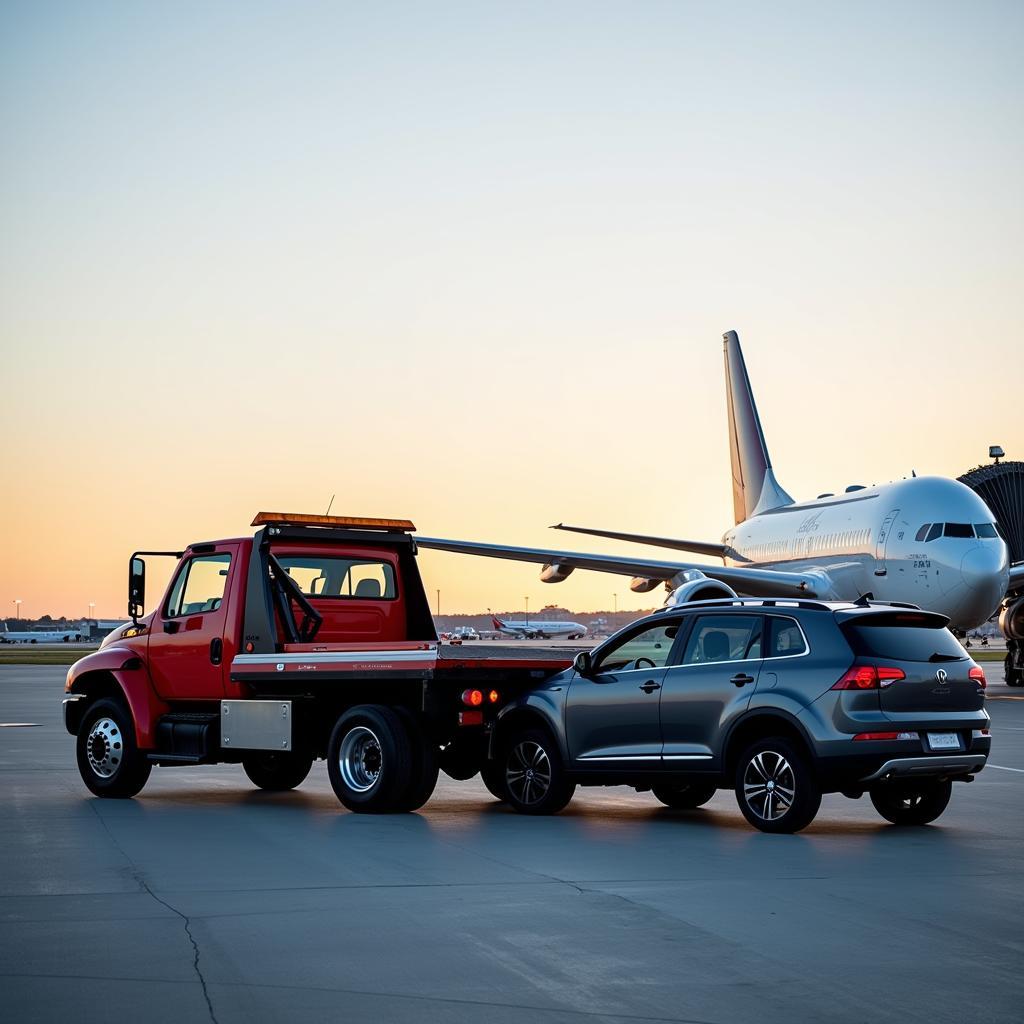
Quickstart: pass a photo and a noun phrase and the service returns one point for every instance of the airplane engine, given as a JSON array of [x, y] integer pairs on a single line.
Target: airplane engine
[[641, 584], [556, 573], [1011, 619], [698, 587]]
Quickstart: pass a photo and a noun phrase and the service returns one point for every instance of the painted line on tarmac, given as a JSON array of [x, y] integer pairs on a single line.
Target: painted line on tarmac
[[1003, 768], [1008, 697]]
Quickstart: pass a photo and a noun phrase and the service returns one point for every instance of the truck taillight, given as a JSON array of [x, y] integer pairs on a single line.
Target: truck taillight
[[869, 677], [977, 673], [472, 698], [494, 696]]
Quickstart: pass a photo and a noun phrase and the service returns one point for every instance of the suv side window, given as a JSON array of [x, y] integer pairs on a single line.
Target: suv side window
[[785, 638], [653, 644], [723, 638], [199, 586]]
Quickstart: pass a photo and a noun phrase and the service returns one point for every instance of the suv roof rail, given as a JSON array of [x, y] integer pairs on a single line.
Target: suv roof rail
[[753, 602]]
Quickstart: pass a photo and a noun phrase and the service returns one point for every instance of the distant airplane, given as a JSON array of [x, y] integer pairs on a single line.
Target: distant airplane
[[930, 541], [538, 629], [39, 636]]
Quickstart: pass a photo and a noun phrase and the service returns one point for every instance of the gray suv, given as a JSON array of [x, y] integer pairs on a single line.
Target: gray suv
[[782, 700]]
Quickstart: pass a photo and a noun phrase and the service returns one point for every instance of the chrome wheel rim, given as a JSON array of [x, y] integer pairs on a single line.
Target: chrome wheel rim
[[769, 785], [360, 759], [104, 746], [528, 772]]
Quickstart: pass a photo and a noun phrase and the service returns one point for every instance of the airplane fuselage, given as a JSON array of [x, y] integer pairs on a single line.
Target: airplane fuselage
[[873, 540], [530, 628]]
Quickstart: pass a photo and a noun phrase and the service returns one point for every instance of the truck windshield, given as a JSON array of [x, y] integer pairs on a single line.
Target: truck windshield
[[359, 578]]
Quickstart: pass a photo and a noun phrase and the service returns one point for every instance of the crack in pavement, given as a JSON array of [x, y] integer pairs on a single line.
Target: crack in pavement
[[136, 873]]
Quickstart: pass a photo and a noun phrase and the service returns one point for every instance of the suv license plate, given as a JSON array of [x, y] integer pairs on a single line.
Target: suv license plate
[[944, 741]]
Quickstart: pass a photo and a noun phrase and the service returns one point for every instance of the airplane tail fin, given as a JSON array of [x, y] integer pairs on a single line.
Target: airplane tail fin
[[496, 622], [754, 487]]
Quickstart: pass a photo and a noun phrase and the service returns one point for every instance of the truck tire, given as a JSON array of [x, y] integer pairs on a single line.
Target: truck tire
[[534, 776], [423, 778], [277, 771], [913, 803], [776, 787], [685, 797], [493, 779], [461, 760], [109, 761], [369, 760]]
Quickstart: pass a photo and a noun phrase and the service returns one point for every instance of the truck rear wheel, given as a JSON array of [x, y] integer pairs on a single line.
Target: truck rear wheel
[[109, 761], [370, 760], [462, 758], [276, 771], [425, 767], [911, 803], [685, 797], [493, 777]]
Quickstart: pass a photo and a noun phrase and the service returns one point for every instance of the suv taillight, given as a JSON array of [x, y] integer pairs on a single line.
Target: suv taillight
[[977, 673], [869, 677]]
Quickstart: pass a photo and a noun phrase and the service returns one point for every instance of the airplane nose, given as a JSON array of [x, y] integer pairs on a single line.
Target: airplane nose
[[984, 568]]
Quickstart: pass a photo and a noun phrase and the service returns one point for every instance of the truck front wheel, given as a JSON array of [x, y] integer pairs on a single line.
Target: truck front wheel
[[277, 771], [109, 761], [369, 760]]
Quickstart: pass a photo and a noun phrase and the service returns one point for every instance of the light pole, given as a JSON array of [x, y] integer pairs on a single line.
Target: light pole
[[439, 602], [17, 607], [92, 605], [615, 603], [527, 600]]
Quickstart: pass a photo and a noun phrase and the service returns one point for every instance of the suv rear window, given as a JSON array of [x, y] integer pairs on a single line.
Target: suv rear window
[[902, 643]]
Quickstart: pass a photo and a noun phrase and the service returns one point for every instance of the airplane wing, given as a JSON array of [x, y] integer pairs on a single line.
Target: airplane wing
[[699, 547], [753, 582]]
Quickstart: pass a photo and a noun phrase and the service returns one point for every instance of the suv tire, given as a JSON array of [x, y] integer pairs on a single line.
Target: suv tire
[[685, 797], [533, 775], [109, 760], [775, 787], [369, 760], [277, 771], [914, 803]]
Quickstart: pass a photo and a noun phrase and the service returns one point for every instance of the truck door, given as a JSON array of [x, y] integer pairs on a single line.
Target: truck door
[[611, 715], [712, 682], [186, 645]]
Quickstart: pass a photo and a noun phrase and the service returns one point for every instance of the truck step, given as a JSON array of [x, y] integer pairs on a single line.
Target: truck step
[[186, 737]]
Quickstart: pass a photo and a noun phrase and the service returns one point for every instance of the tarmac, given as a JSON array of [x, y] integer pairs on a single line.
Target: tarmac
[[205, 899]]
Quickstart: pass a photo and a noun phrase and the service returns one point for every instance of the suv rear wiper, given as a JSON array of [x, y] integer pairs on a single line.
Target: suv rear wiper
[[946, 657]]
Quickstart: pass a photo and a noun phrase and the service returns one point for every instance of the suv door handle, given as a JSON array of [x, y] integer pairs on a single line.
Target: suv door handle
[[741, 679], [650, 686], [216, 650]]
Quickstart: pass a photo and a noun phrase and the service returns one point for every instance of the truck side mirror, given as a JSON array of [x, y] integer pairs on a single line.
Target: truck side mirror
[[582, 663], [136, 588]]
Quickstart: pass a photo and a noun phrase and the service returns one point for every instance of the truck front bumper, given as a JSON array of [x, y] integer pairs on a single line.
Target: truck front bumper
[[72, 711]]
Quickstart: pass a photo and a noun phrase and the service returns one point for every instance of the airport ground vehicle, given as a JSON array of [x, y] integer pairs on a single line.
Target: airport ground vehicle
[[781, 700], [311, 639]]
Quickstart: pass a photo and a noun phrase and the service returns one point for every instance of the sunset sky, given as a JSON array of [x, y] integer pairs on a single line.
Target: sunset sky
[[471, 263]]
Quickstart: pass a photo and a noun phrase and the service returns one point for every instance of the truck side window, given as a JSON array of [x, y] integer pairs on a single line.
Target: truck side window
[[199, 586]]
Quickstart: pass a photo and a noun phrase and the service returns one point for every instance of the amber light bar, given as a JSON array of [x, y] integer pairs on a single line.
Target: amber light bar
[[359, 522]]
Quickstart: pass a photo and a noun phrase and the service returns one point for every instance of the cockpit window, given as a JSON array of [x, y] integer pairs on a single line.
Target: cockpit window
[[923, 532], [935, 531], [959, 530], [985, 530]]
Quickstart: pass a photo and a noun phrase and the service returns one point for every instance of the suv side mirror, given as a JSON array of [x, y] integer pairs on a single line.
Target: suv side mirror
[[582, 663], [136, 588]]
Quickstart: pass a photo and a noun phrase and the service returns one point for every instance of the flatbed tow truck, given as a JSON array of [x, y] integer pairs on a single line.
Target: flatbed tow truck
[[311, 639]]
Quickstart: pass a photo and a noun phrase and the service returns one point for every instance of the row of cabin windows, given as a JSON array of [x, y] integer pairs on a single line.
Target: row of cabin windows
[[932, 531], [850, 541]]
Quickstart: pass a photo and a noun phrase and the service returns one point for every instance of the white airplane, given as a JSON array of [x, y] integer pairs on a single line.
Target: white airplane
[[538, 629], [930, 541], [40, 636]]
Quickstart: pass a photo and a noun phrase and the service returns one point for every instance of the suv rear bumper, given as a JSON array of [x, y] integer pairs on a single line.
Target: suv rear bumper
[[904, 767]]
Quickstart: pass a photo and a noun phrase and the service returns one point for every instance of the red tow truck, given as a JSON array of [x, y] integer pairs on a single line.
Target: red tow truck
[[311, 639]]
